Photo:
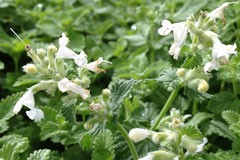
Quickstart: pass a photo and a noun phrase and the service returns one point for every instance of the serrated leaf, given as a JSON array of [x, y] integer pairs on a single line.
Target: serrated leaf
[[42, 154], [192, 132], [192, 61], [68, 110], [119, 91], [231, 117], [103, 146], [218, 127], [13, 146], [235, 128], [198, 118], [6, 110], [223, 101], [169, 78]]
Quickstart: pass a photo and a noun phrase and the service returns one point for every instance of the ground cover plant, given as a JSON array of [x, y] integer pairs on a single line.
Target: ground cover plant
[[119, 80]]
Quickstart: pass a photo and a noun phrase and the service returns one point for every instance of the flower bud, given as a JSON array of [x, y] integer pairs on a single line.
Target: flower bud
[[192, 145], [181, 72], [157, 137], [30, 68], [106, 92], [96, 107], [138, 134], [86, 82], [88, 126], [203, 86], [59, 65], [41, 53], [51, 55], [164, 155]]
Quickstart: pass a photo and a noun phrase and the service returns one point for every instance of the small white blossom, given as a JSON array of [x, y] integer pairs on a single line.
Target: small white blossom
[[200, 147], [79, 59], [28, 100], [35, 114], [219, 12], [64, 51], [138, 134], [220, 51], [148, 157], [179, 34], [65, 86]]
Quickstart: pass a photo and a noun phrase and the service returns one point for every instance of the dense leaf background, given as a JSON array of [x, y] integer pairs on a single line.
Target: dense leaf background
[[125, 33]]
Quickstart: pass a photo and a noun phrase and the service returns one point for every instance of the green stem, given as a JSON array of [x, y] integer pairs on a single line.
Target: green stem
[[195, 107], [129, 141], [234, 88], [166, 107]]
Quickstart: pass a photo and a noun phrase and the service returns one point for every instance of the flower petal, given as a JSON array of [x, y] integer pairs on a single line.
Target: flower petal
[[35, 114], [62, 85], [27, 100]]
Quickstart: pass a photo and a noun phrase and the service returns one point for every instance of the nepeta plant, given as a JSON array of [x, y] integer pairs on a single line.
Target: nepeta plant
[[78, 114]]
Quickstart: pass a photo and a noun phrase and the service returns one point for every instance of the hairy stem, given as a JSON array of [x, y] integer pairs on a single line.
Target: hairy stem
[[195, 107], [166, 107], [131, 146]]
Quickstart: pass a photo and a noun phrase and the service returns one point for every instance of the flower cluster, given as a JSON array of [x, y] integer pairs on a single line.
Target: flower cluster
[[203, 36], [173, 137], [50, 68]]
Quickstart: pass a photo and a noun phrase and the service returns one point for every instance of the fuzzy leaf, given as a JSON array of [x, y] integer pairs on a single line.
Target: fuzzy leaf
[[198, 118], [119, 91], [103, 146], [13, 145], [68, 110], [6, 110], [231, 117], [42, 154], [223, 101], [192, 61], [192, 132]]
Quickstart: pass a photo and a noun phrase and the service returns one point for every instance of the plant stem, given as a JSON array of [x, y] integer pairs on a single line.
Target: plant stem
[[166, 107], [195, 106], [234, 88], [131, 146]]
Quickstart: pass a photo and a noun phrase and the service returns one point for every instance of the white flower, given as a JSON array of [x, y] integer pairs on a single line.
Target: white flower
[[28, 100], [30, 68], [148, 157], [219, 12], [35, 114], [179, 35], [65, 86], [138, 134], [79, 59], [200, 147], [64, 51], [220, 52]]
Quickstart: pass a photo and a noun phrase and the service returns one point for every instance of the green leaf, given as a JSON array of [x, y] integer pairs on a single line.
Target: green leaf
[[190, 7], [219, 128], [1, 65], [68, 110], [169, 79], [235, 128], [42, 154], [231, 117], [103, 146], [223, 101], [6, 110], [192, 132], [198, 118], [119, 90], [192, 61], [13, 145]]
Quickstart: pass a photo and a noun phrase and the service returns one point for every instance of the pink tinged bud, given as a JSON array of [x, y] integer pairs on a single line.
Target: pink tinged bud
[[93, 66], [138, 134]]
